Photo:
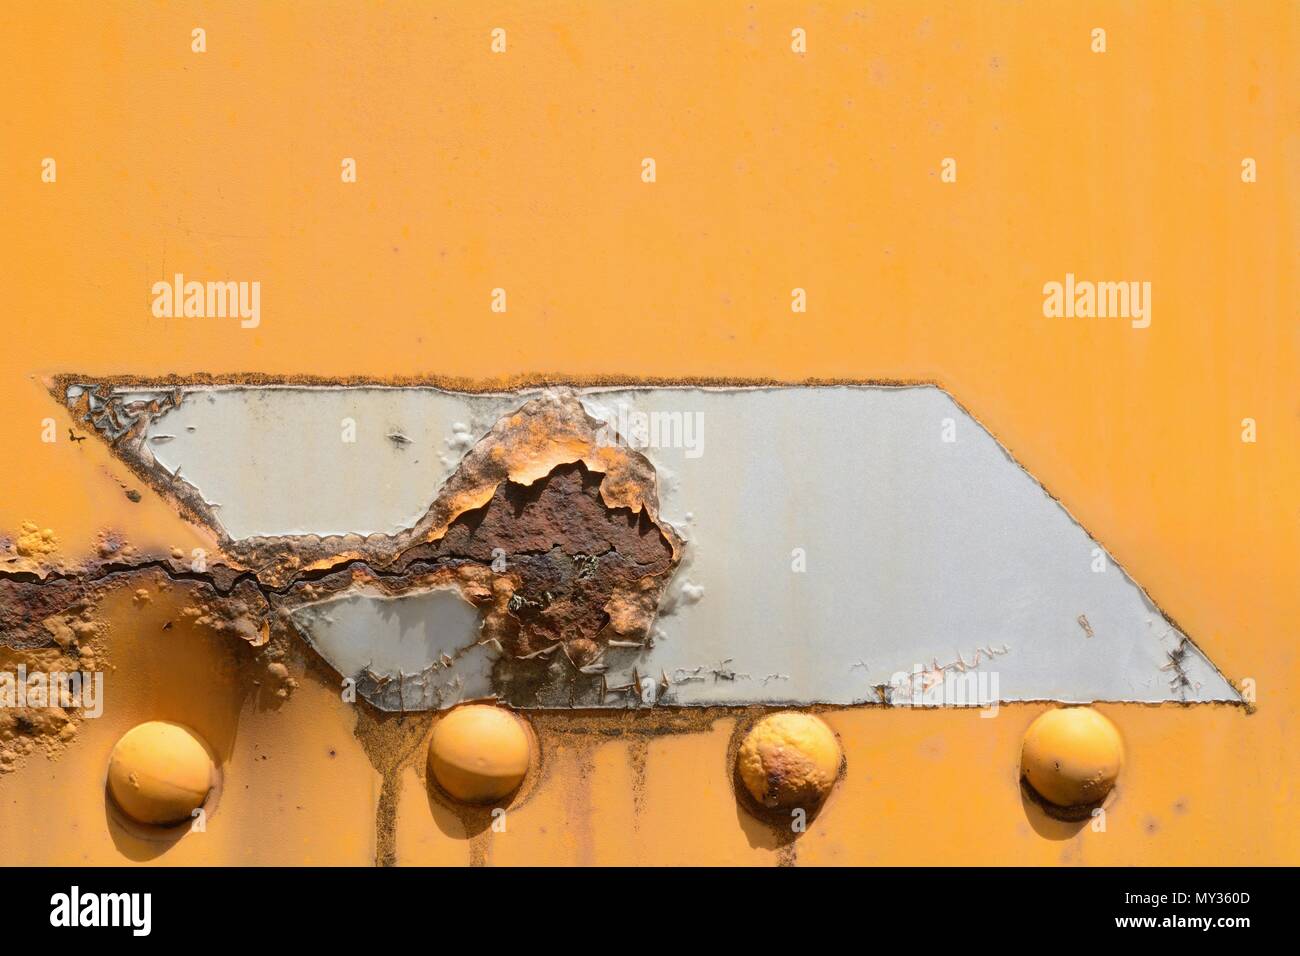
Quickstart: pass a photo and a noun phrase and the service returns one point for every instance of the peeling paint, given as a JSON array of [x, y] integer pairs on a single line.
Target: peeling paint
[[416, 651], [830, 544]]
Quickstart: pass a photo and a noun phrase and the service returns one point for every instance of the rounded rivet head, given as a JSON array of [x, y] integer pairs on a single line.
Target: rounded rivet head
[[160, 772], [480, 753], [1071, 757], [789, 760]]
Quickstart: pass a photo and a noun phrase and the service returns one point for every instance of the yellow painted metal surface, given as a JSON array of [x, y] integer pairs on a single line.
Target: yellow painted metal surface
[[775, 170]]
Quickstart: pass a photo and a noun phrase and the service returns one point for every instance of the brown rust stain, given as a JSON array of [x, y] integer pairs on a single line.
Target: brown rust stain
[[391, 742], [25, 731], [565, 557], [638, 756]]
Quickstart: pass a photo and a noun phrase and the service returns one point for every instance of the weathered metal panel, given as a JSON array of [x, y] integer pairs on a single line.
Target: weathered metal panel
[[842, 544]]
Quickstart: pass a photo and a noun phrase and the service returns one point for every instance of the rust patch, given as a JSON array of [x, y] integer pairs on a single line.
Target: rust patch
[[551, 533], [61, 636]]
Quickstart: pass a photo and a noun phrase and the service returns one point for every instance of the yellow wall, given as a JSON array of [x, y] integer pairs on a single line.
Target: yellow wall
[[775, 170]]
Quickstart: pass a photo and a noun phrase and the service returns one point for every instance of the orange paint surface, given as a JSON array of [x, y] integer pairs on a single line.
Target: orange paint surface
[[774, 171], [296, 785]]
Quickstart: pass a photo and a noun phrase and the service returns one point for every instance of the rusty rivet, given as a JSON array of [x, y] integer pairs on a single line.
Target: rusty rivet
[[789, 760]]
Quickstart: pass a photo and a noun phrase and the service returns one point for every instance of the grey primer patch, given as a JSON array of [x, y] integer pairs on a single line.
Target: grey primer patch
[[373, 457], [933, 571], [418, 651], [933, 567]]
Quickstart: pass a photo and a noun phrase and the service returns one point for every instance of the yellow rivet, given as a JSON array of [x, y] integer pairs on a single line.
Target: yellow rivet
[[789, 760], [159, 772], [1071, 757], [480, 753]]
